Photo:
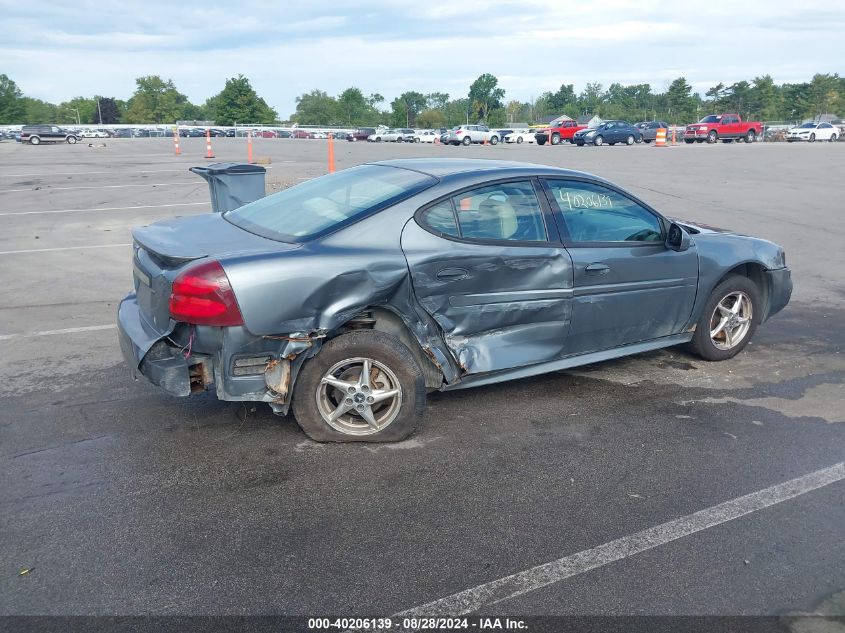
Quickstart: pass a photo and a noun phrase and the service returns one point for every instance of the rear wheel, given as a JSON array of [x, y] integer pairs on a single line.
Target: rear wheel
[[630, 140], [363, 386], [34, 140], [467, 140], [751, 136], [494, 140], [71, 140], [688, 141], [728, 320], [832, 138]]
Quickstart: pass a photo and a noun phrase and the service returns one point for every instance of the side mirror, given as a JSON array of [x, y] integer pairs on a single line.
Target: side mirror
[[677, 239]]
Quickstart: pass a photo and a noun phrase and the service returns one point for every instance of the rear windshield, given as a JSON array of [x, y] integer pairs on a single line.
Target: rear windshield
[[325, 204]]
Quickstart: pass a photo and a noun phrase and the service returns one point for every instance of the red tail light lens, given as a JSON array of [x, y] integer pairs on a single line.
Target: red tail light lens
[[202, 295]]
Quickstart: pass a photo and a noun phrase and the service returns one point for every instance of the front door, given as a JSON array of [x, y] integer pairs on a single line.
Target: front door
[[487, 265], [628, 286]]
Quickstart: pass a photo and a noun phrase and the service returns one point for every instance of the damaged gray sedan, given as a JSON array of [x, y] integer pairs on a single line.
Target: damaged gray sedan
[[348, 297]]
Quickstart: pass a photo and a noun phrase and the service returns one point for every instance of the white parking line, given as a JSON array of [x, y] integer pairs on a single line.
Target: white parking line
[[63, 248], [146, 184], [69, 330], [143, 206], [555, 571], [87, 173]]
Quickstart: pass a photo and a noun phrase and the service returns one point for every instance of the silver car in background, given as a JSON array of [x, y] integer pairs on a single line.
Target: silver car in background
[[469, 134]]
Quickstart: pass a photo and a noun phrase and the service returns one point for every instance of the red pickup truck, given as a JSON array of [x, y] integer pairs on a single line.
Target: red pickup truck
[[559, 133], [728, 127]]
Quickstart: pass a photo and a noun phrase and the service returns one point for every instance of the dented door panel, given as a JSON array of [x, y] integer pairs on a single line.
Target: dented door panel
[[498, 306]]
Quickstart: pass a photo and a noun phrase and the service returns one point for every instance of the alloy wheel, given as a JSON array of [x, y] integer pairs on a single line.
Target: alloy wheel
[[731, 320]]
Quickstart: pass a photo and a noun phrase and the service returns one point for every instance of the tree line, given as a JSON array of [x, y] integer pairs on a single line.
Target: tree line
[[157, 100]]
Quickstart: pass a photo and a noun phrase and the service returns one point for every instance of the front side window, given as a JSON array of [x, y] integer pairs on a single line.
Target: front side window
[[321, 205], [593, 213]]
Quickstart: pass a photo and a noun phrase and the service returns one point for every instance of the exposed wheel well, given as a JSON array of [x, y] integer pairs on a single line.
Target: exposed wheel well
[[384, 320], [757, 274]]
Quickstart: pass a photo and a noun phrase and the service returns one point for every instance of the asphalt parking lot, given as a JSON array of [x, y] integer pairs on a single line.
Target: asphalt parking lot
[[122, 500]]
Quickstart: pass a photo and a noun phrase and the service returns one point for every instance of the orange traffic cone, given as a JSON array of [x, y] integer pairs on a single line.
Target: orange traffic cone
[[331, 153], [660, 139], [208, 152], [673, 136], [249, 147], [176, 141]]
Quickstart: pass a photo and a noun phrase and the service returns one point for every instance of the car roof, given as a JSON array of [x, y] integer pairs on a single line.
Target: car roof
[[440, 167]]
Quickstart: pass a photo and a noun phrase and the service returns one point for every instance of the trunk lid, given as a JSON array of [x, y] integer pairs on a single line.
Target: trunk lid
[[163, 249]]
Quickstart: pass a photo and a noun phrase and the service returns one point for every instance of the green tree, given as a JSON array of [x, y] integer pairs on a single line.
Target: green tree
[[316, 108], [431, 118], [457, 112], [238, 102], [591, 99], [38, 111], [108, 110], [680, 101], [764, 98], [406, 107], [485, 95], [155, 101], [354, 108], [12, 108], [824, 94], [437, 100], [84, 107]]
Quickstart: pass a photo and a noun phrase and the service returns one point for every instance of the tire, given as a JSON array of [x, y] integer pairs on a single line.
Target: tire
[[720, 347], [518, 140], [612, 144], [34, 140], [689, 141], [494, 140], [598, 141], [578, 143], [712, 136], [393, 368], [543, 142], [416, 139], [378, 139], [751, 136], [630, 140], [832, 138], [71, 140], [466, 140], [555, 139], [641, 140], [812, 138]]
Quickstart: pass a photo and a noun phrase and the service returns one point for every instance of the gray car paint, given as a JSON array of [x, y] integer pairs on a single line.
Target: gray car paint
[[512, 315]]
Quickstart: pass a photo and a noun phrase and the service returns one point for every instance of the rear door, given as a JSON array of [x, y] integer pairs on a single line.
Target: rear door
[[488, 266], [628, 287]]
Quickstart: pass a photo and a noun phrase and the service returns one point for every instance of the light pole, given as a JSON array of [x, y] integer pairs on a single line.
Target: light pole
[[78, 122], [99, 111]]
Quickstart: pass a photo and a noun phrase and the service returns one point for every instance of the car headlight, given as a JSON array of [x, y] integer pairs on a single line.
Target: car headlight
[[589, 133]]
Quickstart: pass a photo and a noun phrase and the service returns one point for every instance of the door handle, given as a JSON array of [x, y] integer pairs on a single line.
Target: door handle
[[452, 274], [597, 268]]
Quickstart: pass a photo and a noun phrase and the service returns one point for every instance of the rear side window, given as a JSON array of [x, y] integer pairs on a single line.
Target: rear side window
[[506, 211], [593, 213]]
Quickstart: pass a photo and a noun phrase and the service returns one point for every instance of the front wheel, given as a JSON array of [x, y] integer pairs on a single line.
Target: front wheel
[[599, 140], [728, 320], [555, 139], [812, 138], [518, 140], [712, 136], [362, 386]]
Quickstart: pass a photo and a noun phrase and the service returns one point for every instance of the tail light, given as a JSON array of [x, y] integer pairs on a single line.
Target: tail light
[[202, 295], [458, 132]]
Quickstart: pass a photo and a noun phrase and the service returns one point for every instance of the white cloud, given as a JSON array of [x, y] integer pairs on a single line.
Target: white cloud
[[393, 46]]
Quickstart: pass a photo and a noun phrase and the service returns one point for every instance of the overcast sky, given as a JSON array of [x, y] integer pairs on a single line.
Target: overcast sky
[[58, 50]]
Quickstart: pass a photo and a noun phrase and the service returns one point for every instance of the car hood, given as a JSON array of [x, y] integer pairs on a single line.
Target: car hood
[[796, 130], [699, 228], [196, 236]]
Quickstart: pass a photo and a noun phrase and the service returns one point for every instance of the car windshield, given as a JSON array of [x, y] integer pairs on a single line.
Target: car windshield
[[713, 118], [324, 204], [810, 125]]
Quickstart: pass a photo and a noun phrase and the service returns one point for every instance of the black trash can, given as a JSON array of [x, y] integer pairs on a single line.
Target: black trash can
[[232, 185]]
